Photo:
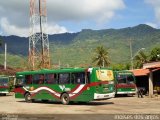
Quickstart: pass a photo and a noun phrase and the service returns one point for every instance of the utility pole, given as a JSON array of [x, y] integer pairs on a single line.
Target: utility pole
[[5, 56], [151, 84], [103, 62], [39, 56], [131, 54]]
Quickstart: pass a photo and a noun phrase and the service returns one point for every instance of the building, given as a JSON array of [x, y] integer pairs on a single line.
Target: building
[[148, 77]]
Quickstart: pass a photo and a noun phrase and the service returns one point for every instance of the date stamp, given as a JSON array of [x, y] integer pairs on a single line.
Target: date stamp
[[137, 117]]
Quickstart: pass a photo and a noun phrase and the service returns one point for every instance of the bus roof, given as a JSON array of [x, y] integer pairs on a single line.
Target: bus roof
[[124, 72], [63, 70]]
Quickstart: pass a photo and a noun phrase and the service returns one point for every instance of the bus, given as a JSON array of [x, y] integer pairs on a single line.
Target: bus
[[65, 85], [4, 85], [125, 83]]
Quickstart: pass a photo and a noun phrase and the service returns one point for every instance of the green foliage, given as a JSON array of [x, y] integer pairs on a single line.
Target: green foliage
[[155, 54], [101, 57], [13, 60], [77, 50], [140, 59], [80, 51], [121, 66], [151, 56]]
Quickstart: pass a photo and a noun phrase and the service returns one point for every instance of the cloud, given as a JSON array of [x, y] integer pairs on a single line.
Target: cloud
[[9, 29], [156, 6], [154, 25], [16, 13], [56, 29], [84, 9]]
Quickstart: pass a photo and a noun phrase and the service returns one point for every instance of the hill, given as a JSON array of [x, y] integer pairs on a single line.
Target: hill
[[72, 49]]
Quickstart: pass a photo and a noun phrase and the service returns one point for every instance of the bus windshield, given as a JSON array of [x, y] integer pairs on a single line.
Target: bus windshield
[[105, 75], [125, 79], [130, 79], [20, 81], [121, 79], [3, 81]]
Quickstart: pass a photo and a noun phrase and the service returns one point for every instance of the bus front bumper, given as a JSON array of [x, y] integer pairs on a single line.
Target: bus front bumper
[[103, 96], [4, 92], [127, 92]]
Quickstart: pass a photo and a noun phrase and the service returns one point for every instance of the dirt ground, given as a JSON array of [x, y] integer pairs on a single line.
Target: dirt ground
[[119, 105]]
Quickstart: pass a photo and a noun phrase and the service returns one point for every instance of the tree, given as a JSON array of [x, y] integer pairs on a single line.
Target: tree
[[155, 54], [140, 59], [101, 57], [121, 66]]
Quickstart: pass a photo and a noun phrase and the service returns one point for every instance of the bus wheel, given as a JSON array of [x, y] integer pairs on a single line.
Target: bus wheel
[[65, 99], [28, 98]]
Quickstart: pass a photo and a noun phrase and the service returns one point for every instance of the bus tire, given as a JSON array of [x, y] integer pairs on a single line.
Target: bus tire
[[28, 97], [65, 99]]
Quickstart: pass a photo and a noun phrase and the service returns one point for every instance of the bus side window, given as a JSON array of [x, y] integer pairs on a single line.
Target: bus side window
[[64, 78], [73, 77], [28, 79], [79, 78], [51, 79], [41, 79], [38, 79]]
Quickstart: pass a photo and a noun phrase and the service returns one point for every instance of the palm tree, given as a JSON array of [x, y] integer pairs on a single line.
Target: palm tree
[[101, 57], [155, 54], [140, 59]]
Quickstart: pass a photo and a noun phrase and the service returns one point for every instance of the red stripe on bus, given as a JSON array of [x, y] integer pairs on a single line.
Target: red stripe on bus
[[125, 86], [19, 90], [74, 89], [88, 85], [74, 96], [4, 87]]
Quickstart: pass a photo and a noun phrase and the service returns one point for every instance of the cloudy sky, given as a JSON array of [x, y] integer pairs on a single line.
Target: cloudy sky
[[75, 15]]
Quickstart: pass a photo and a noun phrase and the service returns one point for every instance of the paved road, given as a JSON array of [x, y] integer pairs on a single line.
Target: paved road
[[120, 105]]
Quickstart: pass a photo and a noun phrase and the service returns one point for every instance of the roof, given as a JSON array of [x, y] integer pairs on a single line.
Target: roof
[[140, 72], [151, 65]]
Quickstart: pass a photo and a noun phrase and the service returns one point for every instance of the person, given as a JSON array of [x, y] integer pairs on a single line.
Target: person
[[140, 92]]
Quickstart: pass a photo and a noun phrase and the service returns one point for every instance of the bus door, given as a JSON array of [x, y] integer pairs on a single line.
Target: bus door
[[79, 80]]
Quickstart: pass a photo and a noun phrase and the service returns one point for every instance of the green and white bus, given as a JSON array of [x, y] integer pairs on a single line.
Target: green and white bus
[[4, 85], [65, 85], [125, 83]]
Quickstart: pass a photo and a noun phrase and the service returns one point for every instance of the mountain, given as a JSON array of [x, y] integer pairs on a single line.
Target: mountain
[[78, 48]]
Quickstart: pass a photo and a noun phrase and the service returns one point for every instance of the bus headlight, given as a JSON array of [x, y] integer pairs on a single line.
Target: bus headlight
[[32, 88]]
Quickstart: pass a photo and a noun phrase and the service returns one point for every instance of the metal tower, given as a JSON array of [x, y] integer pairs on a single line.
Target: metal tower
[[38, 41]]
